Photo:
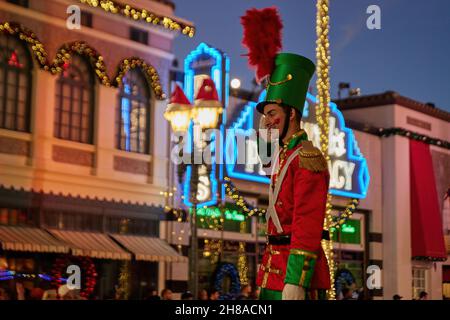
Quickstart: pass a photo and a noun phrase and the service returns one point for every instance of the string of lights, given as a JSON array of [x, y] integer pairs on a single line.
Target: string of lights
[[240, 201], [143, 15], [323, 114], [96, 60]]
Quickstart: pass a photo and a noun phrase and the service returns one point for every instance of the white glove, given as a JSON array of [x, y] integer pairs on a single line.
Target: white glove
[[292, 292]]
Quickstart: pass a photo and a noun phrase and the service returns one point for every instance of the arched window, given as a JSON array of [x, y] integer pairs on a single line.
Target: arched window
[[74, 111], [15, 84], [133, 116]]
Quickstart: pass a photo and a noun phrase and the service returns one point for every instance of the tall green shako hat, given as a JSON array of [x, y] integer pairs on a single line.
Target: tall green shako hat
[[288, 75]]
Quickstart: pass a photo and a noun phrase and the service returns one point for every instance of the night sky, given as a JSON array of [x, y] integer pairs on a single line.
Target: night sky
[[410, 54]]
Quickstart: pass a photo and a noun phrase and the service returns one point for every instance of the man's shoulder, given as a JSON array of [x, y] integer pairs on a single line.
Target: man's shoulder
[[311, 158]]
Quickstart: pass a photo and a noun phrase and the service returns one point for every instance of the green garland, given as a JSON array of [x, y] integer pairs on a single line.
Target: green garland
[[413, 135], [233, 193], [343, 216], [95, 59]]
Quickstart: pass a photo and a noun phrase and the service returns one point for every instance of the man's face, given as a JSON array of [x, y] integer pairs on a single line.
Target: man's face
[[215, 296], [274, 116], [168, 295]]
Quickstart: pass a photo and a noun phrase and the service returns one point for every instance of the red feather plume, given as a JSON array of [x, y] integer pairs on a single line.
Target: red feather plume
[[262, 38]]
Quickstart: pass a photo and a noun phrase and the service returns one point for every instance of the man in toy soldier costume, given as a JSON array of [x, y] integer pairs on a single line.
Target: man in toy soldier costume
[[294, 266]]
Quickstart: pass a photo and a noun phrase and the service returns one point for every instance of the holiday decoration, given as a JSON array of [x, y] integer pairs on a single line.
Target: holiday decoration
[[83, 49], [340, 219], [178, 111], [89, 273], [240, 201], [227, 269], [384, 133], [150, 73], [26, 35], [143, 15], [323, 115], [123, 290], [344, 279], [207, 107], [79, 47], [262, 37], [242, 260]]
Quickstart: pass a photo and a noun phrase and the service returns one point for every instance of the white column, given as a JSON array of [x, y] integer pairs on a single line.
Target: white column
[[435, 279], [397, 269], [42, 118], [160, 157], [105, 132]]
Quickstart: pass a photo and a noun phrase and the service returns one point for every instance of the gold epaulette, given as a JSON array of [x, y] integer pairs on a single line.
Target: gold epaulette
[[311, 158]]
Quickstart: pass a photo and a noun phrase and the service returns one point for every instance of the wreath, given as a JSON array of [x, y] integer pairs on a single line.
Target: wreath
[[230, 270], [344, 278], [88, 273]]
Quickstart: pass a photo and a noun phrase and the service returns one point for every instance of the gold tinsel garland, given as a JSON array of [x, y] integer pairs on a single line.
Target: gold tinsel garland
[[212, 247], [322, 116], [95, 59], [65, 53], [239, 200], [30, 38], [143, 15], [342, 217], [150, 73], [124, 287], [242, 259]]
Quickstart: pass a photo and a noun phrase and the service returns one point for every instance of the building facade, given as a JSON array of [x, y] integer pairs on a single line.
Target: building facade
[[407, 222], [83, 156]]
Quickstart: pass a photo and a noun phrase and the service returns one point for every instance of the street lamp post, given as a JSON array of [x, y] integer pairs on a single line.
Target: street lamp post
[[194, 236], [205, 114]]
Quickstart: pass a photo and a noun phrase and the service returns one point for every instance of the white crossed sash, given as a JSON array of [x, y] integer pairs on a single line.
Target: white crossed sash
[[273, 192]]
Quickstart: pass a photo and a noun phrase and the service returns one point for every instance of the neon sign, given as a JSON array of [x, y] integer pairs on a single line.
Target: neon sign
[[349, 174], [214, 212], [206, 61], [348, 229]]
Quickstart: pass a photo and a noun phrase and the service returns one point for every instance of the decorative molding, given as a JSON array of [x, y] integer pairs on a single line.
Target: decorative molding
[[72, 156], [130, 165], [14, 146]]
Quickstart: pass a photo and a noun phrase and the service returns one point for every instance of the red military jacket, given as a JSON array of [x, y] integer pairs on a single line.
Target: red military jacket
[[300, 206]]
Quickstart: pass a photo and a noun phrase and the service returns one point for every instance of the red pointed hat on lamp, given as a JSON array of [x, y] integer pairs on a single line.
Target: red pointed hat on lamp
[[178, 101], [178, 111], [207, 95], [207, 107]]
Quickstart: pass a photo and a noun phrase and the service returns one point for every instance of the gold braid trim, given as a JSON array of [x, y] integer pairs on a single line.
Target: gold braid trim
[[311, 158]]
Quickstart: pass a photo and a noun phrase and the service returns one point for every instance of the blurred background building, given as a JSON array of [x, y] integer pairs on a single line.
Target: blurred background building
[[83, 157]]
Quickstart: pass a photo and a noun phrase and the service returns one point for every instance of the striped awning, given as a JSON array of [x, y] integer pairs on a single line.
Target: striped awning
[[91, 244], [30, 239], [149, 249]]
